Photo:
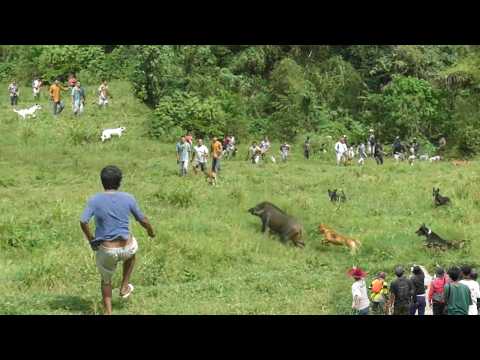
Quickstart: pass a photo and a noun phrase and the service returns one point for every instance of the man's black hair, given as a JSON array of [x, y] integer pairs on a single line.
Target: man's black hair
[[454, 273], [473, 274], [399, 271], [111, 177], [466, 270]]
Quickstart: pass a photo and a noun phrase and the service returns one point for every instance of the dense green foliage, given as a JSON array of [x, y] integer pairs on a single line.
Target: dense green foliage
[[285, 91]]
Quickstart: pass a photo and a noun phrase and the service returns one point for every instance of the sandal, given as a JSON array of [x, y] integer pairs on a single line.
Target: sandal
[[130, 288]]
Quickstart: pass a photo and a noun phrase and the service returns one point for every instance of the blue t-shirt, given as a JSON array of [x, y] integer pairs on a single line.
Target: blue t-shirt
[[78, 94], [183, 151], [111, 212]]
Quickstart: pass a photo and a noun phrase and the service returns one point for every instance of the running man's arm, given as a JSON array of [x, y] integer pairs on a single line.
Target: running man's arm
[[86, 230], [147, 226]]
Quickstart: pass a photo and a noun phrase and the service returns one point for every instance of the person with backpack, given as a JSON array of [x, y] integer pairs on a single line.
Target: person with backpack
[[379, 294], [457, 295], [436, 295], [360, 301], [474, 288], [401, 292], [419, 301]]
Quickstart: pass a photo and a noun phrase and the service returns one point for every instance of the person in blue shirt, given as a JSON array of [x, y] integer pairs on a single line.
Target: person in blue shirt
[[113, 241], [183, 155], [78, 98]]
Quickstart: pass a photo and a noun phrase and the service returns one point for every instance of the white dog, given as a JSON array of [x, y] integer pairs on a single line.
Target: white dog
[[28, 112], [108, 133], [435, 158], [411, 159]]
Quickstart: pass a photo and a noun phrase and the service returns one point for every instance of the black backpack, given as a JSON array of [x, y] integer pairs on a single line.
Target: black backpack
[[404, 291]]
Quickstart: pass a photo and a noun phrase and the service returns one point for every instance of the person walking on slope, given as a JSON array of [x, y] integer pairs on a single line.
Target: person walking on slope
[[183, 155], [55, 95], [379, 153], [371, 143], [284, 149], [113, 241], [103, 94], [14, 92], [341, 150], [457, 295], [78, 99], [306, 148], [362, 154], [216, 150], [360, 301], [200, 156], [436, 294], [36, 86], [401, 293]]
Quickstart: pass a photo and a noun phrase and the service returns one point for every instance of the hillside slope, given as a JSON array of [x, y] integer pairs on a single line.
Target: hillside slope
[[209, 256]]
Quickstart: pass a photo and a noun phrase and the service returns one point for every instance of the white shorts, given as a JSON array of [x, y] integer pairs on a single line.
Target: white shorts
[[78, 107], [107, 259], [102, 101]]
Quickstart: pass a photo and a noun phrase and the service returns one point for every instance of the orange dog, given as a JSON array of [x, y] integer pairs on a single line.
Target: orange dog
[[211, 177], [332, 237], [460, 162]]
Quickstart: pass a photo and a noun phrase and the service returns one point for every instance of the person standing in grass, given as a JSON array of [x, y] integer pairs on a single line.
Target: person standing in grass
[[217, 150], [284, 150], [401, 293], [78, 99], [457, 295], [183, 155], [362, 154], [306, 148], [36, 86], [14, 92], [419, 301], [200, 156], [378, 153], [254, 153], [55, 95], [474, 289], [436, 294], [379, 293], [113, 241], [474, 276], [103, 94], [360, 301], [341, 150]]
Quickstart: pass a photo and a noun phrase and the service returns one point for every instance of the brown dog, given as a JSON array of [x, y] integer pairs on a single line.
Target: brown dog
[[332, 237], [460, 162], [211, 177]]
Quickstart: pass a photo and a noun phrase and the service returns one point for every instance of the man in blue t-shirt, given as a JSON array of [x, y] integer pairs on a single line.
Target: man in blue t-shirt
[[113, 241], [183, 155]]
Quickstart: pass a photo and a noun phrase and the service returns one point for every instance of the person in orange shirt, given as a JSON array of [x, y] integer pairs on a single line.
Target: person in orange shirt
[[55, 95], [216, 154]]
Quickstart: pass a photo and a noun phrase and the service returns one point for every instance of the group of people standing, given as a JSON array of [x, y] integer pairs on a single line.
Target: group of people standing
[[74, 87], [198, 154], [454, 293], [260, 151]]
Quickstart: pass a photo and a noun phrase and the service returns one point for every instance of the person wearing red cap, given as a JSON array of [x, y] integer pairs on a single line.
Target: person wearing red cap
[[359, 291]]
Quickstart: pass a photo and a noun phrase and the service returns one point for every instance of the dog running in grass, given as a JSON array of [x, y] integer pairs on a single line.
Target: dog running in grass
[[336, 196], [435, 241], [438, 199], [211, 177], [460, 162], [334, 238], [24, 113]]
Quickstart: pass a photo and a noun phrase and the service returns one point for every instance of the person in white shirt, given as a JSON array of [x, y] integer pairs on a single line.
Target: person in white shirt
[[254, 153], [341, 150], [360, 302], [103, 94], [264, 146], [474, 289], [200, 155], [36, 85]]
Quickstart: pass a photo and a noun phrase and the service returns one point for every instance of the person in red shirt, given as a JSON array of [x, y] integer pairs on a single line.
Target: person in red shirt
[[189, 138], [436, 292]]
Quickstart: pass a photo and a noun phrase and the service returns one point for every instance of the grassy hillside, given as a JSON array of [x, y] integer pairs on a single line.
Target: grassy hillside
[[209, 256]]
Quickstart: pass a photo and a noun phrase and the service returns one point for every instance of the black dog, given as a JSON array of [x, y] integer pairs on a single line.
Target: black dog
[[439, 199], [334, 196], [433, 240]]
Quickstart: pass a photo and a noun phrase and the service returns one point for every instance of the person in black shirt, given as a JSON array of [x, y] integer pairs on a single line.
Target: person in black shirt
[[306, 148], [418, 280], [401, 292], [378, 153]]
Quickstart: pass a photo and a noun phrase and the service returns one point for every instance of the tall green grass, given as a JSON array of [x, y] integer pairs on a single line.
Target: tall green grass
[[209, 256]]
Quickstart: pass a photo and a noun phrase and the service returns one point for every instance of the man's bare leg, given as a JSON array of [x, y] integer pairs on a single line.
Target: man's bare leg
[[127, 271], [107, 298]]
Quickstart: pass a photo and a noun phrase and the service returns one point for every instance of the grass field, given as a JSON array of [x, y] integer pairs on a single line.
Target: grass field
[[209, 256]]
